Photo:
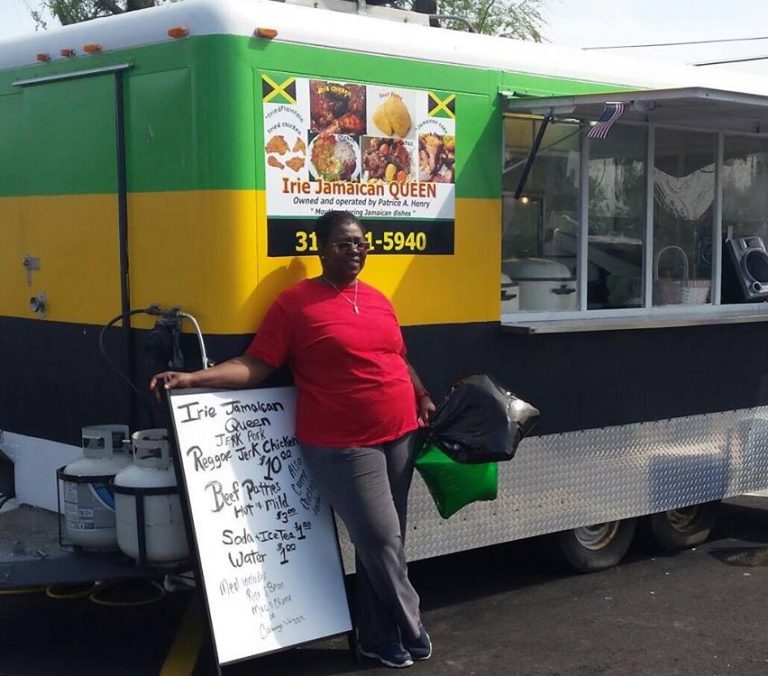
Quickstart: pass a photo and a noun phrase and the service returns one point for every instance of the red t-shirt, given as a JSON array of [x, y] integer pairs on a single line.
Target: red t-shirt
[[354, 388]]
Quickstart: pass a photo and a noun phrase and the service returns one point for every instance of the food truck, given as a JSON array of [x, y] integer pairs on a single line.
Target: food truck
[[589, 231]]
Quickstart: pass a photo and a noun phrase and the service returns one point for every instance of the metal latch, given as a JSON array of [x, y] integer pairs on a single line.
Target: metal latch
[[30, 263]]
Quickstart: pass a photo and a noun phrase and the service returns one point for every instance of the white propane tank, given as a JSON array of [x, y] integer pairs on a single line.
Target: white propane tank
[[147, 500], [89, 503]]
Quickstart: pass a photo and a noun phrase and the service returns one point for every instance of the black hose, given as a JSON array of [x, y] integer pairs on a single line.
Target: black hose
[[142, 397]]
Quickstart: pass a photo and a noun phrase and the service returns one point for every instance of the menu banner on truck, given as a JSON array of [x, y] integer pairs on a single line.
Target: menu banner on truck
[[387, 154]]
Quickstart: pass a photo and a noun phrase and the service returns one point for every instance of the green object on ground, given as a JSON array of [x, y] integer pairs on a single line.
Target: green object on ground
[[454, 485]]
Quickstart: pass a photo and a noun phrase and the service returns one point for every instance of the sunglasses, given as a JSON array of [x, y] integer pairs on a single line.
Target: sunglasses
[[344, 245]]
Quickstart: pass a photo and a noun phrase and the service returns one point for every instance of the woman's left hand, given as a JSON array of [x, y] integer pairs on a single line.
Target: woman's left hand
[[424, 408]]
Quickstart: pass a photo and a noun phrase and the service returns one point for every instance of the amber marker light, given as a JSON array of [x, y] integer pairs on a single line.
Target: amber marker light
[[92, 48], [43, 57], [268, 33], [178, 32], [67, 52]]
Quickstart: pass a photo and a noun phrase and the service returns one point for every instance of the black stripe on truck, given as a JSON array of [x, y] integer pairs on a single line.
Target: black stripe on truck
[[54, 380]]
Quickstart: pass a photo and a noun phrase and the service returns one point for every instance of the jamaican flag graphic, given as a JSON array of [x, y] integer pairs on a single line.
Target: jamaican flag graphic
[[441, 104], [278, 88]]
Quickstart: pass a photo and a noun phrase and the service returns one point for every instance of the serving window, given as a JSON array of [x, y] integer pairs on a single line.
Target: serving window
[[642, 225], [617, 173], [745, 186], [683, 216], [540, 230]]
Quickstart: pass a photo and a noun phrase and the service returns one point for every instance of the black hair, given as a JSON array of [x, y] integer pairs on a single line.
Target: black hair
[[329, 221]]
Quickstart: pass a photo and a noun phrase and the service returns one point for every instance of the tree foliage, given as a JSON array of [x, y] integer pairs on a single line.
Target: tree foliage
[[75, 11], [520, 19]]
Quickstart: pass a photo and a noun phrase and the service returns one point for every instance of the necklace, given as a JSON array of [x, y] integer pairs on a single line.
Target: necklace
[[353, 302]]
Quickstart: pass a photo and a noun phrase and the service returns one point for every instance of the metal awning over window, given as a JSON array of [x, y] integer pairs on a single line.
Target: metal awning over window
[[688, 107]]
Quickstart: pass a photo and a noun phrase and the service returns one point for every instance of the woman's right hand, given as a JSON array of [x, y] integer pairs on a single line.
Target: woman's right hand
[[238, 372], [170, 380]]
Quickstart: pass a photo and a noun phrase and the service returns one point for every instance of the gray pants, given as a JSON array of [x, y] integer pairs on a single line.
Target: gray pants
[[368, 489]]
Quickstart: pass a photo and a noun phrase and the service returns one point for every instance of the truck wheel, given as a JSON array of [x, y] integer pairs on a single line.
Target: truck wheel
[[685, 527], [591, 548]]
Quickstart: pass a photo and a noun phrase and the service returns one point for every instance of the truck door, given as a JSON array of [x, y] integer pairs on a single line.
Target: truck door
[[68, 273], [69, 215]]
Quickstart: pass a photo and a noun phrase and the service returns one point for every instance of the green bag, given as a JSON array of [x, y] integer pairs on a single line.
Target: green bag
[[454, 485]]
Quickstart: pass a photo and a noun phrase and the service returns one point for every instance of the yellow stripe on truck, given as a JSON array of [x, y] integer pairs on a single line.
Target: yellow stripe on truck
[[203, 251], [461, 288], [75, 240]]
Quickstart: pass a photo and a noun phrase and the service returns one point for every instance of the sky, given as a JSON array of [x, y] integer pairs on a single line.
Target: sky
[[587, 23], [591, 23]]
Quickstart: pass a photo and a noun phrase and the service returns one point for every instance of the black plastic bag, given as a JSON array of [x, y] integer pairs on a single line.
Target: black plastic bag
[[480, 421]]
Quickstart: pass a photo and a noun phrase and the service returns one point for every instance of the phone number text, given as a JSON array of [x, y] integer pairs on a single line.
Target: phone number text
[[306, 242]]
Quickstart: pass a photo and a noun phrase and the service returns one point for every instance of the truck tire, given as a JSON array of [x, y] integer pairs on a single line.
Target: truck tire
[[592, 548], [678, 529]]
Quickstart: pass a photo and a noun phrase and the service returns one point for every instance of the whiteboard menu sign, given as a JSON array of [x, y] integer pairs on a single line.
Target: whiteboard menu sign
[[265, 538]]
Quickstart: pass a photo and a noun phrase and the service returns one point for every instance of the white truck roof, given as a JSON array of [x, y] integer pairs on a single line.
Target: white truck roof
[[359, 33]]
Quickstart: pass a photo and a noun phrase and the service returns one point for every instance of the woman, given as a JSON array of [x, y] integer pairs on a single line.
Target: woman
[[359, 403]]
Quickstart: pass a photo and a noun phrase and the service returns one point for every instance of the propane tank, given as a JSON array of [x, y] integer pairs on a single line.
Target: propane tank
[[150, 524], [89, 502]]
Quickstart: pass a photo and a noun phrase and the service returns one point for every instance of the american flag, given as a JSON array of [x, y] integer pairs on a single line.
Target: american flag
[[611, 113]]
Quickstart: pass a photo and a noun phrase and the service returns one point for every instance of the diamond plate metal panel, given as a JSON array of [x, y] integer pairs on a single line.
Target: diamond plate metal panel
[[564, 481]]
